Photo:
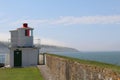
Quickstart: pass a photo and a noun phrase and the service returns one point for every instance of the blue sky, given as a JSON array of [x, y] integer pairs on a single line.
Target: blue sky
[[87, 25]]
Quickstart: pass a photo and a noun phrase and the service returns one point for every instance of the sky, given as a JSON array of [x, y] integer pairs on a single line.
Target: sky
[[87, 25]]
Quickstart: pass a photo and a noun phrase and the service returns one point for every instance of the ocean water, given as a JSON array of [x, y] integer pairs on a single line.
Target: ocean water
[[2, 58], [106, 57], [4, 55]]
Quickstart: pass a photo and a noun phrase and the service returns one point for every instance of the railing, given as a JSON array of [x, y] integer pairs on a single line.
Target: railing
[[36, 43]]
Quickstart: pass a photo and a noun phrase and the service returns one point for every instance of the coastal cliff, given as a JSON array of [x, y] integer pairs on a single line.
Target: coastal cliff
[[65, 68]]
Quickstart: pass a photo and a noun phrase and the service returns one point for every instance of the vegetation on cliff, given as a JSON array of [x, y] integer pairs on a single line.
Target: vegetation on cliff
[[91, 63]]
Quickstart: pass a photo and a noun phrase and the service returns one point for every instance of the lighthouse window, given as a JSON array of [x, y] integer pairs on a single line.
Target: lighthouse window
[[27, 32]]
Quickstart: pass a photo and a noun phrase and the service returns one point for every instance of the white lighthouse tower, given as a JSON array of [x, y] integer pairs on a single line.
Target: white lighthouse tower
[[22, 51]]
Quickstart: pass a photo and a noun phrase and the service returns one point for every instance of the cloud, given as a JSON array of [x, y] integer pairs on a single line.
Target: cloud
[[4, 37], [48, 41], [88, 20], [31, 22], [64, 20], [71, 20]]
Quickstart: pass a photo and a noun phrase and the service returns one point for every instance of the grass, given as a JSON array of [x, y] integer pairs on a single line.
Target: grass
[[29, 73], [92, 63]]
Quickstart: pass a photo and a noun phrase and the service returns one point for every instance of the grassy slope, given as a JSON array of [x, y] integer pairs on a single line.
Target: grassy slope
[[92, 63], [31, 73]]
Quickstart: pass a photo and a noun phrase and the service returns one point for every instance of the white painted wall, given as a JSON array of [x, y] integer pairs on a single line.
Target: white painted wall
[[40, 58], [29, 56], [24, 40], [14, 38], [18, 38], [12, 57]]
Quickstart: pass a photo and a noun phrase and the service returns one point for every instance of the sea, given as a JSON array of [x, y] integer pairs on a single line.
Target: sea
[[2, 58], [4, 54], [105, 57]]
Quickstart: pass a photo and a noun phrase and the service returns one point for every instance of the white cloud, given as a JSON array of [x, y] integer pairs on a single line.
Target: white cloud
[[4, 37], [88, 20], [31, 22], [70, 20], [48, 41]]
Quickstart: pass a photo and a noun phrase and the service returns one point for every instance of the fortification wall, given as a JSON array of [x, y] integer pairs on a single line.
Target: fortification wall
[[65, 69]]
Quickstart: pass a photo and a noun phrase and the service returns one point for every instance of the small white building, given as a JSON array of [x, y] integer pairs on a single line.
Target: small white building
[[22, 51]]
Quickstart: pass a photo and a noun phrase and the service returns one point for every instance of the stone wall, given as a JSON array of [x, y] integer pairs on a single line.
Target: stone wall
[[65, 69]]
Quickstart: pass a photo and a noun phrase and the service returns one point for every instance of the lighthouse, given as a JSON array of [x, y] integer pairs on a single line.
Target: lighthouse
[[23, 53]]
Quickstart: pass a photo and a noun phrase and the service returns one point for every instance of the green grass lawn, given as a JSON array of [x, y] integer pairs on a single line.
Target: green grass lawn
[[29, 73]]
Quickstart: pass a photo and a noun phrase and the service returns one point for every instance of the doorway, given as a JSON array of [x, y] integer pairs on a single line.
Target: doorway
[[17, 58]]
